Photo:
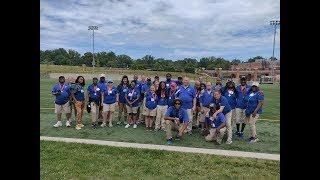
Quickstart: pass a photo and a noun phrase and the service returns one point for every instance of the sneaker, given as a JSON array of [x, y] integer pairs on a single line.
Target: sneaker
[[218, 143], [237, 133], [249, 139], [127, 126], [81, 125], [190, 133], [177, 138], [99, 122], [78, 126], [103, 125], [119, 123], [58, 124], [253, 140], [110, 125], [156, 129], [94, 126], [229, 142], [134, 126], [240, 135], [169, 142], [68, 123]]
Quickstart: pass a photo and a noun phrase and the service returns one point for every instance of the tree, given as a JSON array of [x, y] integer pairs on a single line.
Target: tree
[[235, 61], [123, 61], [87, 59], [255, 58]]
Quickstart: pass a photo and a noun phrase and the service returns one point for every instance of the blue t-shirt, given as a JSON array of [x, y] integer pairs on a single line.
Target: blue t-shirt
[[163, 101], [222, 102], [175, 113], [63, 97], [168, 83], [220, 118], [78, 92], [122, 90], [186, 95], [214, 88], [133, 95], [206, 98], [94, 93], [241, 94], [110, 95], [151, 100], [252, 99], [231, 97], [171, 97], [103, 85]]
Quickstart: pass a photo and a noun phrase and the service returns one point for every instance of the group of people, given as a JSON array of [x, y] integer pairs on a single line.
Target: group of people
[[165, 105]]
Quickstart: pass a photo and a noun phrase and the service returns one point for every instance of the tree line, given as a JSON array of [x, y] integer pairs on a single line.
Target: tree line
[[148, 62]]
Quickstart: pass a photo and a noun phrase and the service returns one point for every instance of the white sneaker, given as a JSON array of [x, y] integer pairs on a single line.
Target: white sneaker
[[127, 126], [229, 142], [103, 125], [68, 123], [110, 125], [58, 124], [134, 126]]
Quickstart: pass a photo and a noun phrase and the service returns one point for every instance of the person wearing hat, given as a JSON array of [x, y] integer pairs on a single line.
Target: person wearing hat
[[177, 119], [172, 93], [254, 100], [132, 103], [205, 99], [110, 99], [242, 89], [102, 85], [150, 102], [217, 125], [179, 81], [93, 98]]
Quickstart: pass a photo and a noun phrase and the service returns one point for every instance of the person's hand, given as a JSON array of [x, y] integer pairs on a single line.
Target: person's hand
[[217, 132], [117, 104], [180, 134], [177, 121], [214, 116], [254, 114], [193, 108], [202, 110]]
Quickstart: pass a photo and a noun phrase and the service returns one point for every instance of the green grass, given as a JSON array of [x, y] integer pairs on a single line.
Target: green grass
[[59, 160], [268, 131]]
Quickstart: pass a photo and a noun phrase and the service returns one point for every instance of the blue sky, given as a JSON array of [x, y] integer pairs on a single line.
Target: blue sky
[[170, 29]]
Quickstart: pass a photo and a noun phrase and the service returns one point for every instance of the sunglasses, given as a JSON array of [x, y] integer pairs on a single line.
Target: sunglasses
[[177, 103]]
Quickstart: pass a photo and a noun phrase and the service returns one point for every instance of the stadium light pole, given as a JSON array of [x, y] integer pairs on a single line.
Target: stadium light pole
[[275, 23], [93, 28]]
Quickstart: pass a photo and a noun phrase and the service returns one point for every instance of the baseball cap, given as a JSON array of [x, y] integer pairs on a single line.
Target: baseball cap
[[102, 75], [212, 105], [110, 80], [148, 79], [174, 84], [243, 78], [255, 84]]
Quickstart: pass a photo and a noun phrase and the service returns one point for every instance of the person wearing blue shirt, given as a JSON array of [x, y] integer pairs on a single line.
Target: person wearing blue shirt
[[205, 99], [179, 81], [77, 94], [177, 119], [162, 106], [242, 90], [61, 91], [188, 96], [110, 99], [172, 93], [223, 106], [255, 100], [71, 83], [150, 107], [102, 85], [168, 81], [217, 125], [139, 87], [143, 88], [122, 89], [93, 98], [132, 103]]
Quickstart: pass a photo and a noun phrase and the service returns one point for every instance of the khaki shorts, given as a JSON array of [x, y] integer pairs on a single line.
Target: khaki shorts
[[150, 112], [132, 109], [109, 107], [62, 108]]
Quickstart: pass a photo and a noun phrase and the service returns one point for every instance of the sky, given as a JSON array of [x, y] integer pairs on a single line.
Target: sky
[[169, 29]]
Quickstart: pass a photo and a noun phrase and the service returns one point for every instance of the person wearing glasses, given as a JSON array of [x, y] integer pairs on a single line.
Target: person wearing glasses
[[176, 119], [110, 99]]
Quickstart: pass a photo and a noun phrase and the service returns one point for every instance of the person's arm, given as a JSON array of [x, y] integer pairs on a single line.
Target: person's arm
[[87, 96], [138, 96], [194, 104], [218, 111], [102, 98], [184, 126], [221, 126], [55, 92], [117, 98], [126, 98], [257, 108], [144, 103]]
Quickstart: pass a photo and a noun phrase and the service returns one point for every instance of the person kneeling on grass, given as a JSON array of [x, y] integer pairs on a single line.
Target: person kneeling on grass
[[176, 119], [218, 125]]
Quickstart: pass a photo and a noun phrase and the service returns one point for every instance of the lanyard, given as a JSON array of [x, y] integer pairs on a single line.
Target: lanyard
[[132, 94], [62, 87], [172, 92], [154, 96], [95, 88]]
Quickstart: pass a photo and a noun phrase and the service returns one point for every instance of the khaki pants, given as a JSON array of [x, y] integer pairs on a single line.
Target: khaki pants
[[196, 116], [122, 108], [94, 111], [190, 115], [228, 117], [161, 112], [240, 115], [172, 126], [252, 123], [79, 107], [213, 136]]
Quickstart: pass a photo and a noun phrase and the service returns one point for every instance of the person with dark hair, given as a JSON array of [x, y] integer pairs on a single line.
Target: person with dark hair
[[139, 87], [156, 78], [77, 94], [149, 107], [61, 91], [196, 113], [172, 93], [223, 106], [102, 85], [168, 81], [109, 99], [162, 106], [143, 85], [71, 83], [217, 125], [254, 99], [179, 81], [122, 89], [205, 99], [242, 90], [132, 97], [93, 98], [177, 119]]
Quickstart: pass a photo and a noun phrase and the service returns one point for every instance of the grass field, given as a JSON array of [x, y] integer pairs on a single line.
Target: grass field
[[59, 160], [268, 130]]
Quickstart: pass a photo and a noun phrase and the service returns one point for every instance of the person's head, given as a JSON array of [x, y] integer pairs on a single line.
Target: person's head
[[70, 79], [110, 83], [156, 77], [143, 77], [148, 80], [219, 80], [177, 103], [255, 86], [168, 76], [243, 81], [124, 80], [102, 77], [230, 84], [201, 79], [95, 80], [61, 79], [80, 80], [135, 77], [186, 81], [173, 85], [217, 94], [162, 85], [209, 85], [133, 84], [156, 84], [180, 79], [152, 89], [197, 85], [212, 107], [202, 86]]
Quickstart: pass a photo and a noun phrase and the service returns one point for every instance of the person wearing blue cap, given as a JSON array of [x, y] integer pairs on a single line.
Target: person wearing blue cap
[[110, 99]]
